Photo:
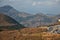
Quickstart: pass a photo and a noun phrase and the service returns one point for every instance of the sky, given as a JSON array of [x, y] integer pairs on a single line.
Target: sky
[[34, 6]]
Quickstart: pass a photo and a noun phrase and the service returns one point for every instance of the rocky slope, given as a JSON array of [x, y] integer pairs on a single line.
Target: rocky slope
[[38, 20], [8, 23], [12, 12], [27, 19]]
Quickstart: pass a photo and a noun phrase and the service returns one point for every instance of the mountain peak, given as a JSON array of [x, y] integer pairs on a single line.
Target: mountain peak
[[5, 8], [40, 14]]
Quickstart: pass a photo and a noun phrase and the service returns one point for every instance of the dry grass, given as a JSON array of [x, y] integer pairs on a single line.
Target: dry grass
[[28, 34]]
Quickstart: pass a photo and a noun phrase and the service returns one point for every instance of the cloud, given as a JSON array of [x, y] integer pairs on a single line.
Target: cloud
[[57, 0], [46, 3], [34, 4]]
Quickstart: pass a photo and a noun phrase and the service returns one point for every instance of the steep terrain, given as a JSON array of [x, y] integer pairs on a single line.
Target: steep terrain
[[8, 23], [12, 12], [27, 19]]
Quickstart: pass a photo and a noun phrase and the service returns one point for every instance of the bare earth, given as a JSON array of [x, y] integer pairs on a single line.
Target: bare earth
[[29, 34]]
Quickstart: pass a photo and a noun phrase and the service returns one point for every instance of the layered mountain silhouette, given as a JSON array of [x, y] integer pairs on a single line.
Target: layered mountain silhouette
[[8, 23], [39, 20], [27, 19], [12, 12]]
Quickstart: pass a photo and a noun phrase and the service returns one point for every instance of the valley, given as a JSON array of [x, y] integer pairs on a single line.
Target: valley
[[15, 25]]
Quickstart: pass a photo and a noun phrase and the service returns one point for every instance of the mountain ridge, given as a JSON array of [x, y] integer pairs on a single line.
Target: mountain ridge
[[8, 23], [10, 11], [27, 19]]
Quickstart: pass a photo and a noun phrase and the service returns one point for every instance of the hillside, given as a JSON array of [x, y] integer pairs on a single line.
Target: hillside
[[8, 23], [38, 20], [29, 34], [12, 12], [29, 20]]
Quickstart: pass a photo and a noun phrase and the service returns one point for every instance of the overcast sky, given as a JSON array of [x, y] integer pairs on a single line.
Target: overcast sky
[[34, 6]]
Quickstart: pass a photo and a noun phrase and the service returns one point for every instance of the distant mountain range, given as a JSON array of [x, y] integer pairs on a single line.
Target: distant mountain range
[[39, 20], [8, 23], [27, 19], [10, 11]]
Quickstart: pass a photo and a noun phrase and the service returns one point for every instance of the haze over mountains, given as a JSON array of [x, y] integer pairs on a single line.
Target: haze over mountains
[[8, 23], [10, 11], [28, 20]]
